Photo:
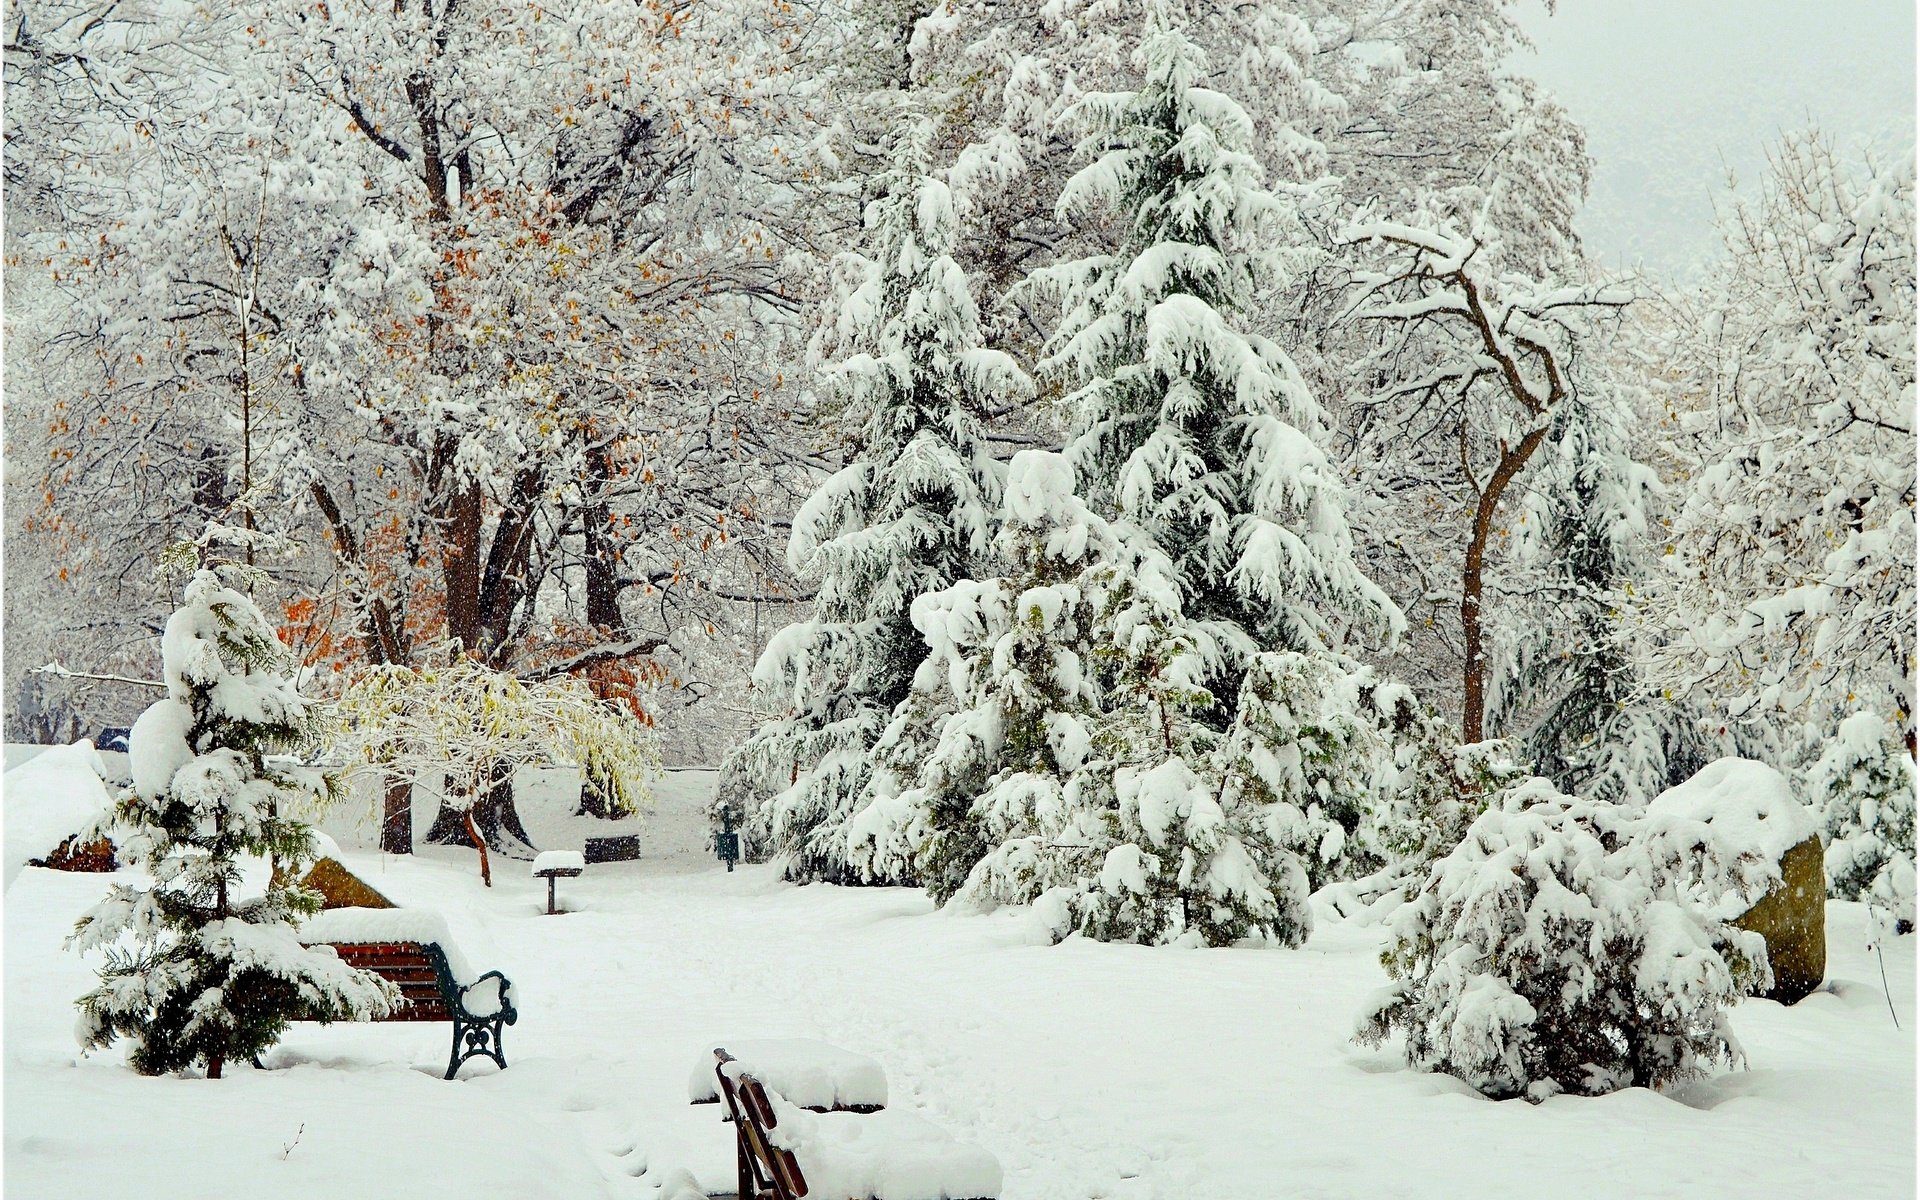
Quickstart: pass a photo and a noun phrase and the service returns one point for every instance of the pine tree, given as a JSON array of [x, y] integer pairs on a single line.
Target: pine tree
[[1198, 434], [908, 515], [992, 818], [214, 971], [1196, 854], [1584, 717]]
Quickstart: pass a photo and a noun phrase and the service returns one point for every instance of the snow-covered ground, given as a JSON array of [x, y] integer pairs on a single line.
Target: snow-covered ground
[[1089, 1070]]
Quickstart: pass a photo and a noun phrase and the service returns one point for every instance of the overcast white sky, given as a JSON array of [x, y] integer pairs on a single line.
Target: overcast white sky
[[1673, 93]]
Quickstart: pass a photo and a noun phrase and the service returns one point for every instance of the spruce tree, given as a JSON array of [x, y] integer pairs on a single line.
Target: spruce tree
[[1572, 694], [991, 817], [1072, 772], [1185, 425], [901, 357], [200, 967]]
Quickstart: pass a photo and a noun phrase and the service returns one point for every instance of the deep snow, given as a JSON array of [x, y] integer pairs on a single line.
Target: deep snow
[[1088, 1070]]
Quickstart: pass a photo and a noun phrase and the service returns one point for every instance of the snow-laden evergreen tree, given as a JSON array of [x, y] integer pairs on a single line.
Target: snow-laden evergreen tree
[[1074, 771], [1192, 430], [907, 515], [1189, 856], [1578, 946], [200, 966], [1302, 750], [996, 816], [1572, 693], [1863, 786]]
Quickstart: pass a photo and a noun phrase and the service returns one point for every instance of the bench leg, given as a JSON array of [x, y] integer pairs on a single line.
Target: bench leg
[[476, 1039], [748, 1188]]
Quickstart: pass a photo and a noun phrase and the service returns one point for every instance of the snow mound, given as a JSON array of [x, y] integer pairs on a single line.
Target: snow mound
[[49, 798], [559, 860], [888, 1155], [809, 1073], [157, 746], [1038, 485]]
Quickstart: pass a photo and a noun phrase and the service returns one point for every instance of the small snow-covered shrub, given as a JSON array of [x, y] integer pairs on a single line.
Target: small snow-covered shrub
[[199, 967], [1301, 747], [1863, 783], [1574, 945]]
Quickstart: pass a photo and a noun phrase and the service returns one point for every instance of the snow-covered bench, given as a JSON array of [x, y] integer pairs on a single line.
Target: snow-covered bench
[[790, 1153], [413, 950], [805, 1072]]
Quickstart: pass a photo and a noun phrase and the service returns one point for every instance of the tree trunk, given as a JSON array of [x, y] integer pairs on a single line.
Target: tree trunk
[[1473, 713], [593, 801], [499, 818], [461, 569], [493, 814], [214, 1061], [480, 844], [602, 555], [396, 816]]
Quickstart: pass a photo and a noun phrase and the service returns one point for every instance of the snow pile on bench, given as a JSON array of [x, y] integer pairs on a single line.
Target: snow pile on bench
[[50, 798], [809, 1073], [888, 1155], [559, 860], [337, 926]]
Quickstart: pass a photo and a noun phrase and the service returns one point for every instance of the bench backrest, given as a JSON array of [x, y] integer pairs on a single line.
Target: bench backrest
[[775, 1172], [418, 969]]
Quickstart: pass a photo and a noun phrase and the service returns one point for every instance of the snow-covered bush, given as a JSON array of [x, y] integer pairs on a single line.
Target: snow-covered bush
[[1578, 946], [1302, 748], [1183, 849], [1076, 771], [1425, 790], [1863, 784], [200, 969]]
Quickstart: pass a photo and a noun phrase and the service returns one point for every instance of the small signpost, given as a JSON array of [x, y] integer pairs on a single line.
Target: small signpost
[[726, 843], [553, 864]]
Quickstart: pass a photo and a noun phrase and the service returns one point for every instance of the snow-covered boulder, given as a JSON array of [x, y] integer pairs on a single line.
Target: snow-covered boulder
[[1743, 816], [49, 798]]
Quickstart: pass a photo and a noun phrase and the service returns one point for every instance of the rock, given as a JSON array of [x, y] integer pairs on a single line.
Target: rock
[[1793, 919], [1739, 808], [341, 888]]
